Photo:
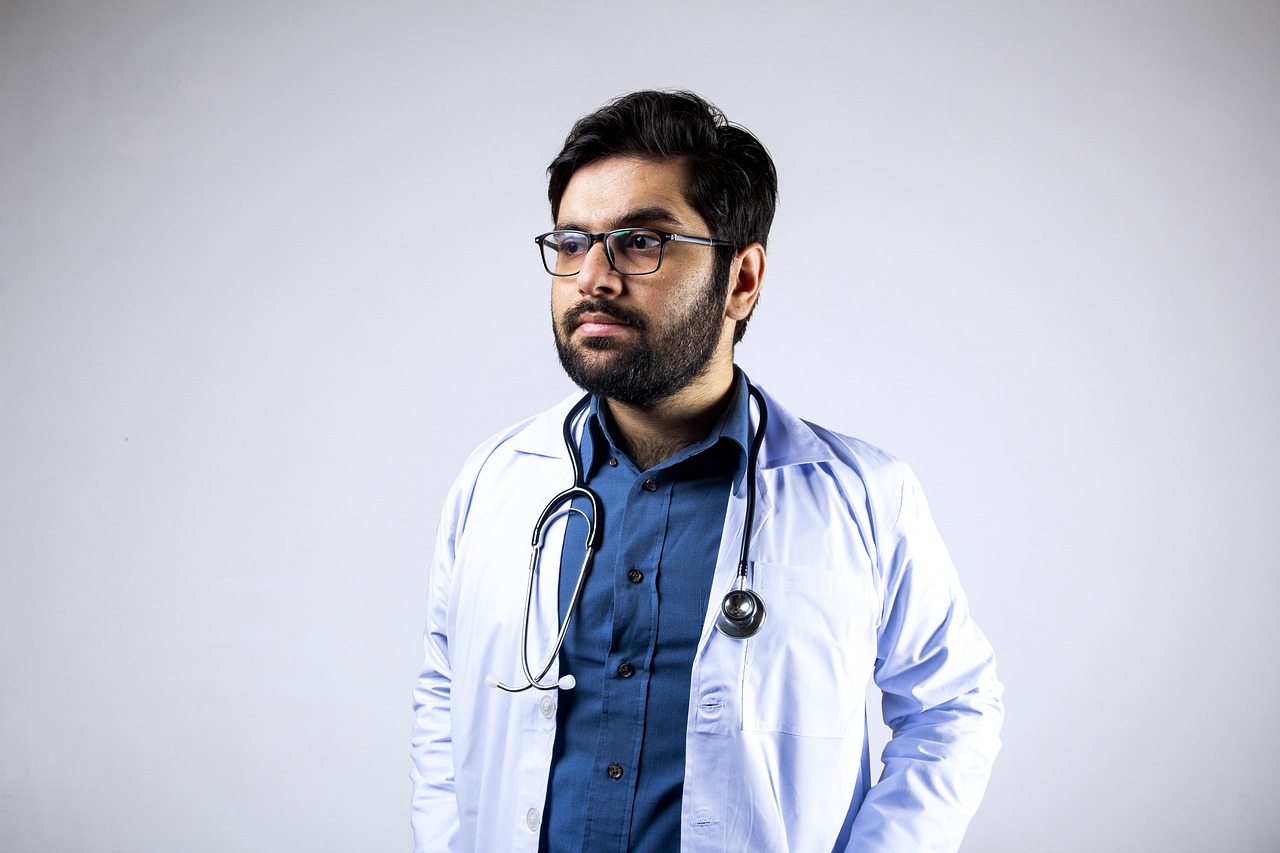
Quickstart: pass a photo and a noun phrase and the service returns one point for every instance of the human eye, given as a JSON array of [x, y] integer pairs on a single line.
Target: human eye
[[642, 241], [570, 243]]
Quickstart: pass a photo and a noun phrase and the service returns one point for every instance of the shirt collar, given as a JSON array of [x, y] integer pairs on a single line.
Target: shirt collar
[[733, 426]]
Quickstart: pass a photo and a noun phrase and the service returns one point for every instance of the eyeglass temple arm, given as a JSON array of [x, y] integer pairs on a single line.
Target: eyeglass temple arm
[[701, 241]]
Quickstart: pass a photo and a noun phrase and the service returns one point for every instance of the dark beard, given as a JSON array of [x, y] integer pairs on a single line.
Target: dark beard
[[648, 370]]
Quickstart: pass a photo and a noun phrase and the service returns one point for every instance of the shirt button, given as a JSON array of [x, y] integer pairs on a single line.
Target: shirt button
[[626, 670], [532, 819], [613, 462], [635, 576], [547, 706], [651, 485], [615, 771]]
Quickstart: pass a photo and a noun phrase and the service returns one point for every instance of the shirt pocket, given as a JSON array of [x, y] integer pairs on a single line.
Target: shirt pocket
[[807, 669]]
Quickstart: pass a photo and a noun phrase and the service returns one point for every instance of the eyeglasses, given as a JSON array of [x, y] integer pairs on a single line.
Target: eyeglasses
[[631, 251]]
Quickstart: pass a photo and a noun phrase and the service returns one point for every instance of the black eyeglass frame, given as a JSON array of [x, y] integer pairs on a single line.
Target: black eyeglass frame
[[664, 237]]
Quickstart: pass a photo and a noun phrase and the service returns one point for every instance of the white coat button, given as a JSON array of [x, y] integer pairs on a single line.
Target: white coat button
[[548, 708], [532, 819]]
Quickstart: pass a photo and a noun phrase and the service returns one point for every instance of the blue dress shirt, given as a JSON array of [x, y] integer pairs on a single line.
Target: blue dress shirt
[[617, 773]]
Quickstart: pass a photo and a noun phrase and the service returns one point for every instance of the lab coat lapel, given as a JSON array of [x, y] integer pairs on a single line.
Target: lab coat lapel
[[788, 443]]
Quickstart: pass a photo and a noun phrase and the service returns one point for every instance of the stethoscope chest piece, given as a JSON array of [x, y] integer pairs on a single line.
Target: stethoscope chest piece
[[742, 609], [741, 613]]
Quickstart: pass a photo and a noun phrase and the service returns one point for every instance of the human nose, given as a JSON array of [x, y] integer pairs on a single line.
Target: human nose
[[597, 274]]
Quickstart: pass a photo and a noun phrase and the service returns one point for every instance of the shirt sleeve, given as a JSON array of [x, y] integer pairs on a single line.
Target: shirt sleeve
[[941, 697], [434, 814]]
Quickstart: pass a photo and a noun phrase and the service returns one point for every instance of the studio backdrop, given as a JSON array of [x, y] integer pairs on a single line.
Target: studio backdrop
[[267, 275]]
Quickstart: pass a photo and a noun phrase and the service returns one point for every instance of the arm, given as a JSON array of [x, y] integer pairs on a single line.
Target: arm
[[941, 696], [435, 808]]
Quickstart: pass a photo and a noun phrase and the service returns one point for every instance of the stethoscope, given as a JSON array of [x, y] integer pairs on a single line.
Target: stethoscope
[[742, 609]]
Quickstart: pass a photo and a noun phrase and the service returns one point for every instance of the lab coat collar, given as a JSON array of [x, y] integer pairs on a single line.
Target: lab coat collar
[[544, 436], [787, 440]]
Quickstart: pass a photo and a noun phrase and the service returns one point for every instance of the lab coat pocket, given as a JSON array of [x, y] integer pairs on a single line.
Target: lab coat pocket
[[807, 668]]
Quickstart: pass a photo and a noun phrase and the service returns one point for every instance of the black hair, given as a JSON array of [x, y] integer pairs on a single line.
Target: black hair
[[732, 184]]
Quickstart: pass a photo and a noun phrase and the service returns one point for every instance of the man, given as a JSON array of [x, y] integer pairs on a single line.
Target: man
[[674, 716]]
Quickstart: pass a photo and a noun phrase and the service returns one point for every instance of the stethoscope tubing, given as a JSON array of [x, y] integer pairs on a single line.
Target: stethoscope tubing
[[737, 626], [563, 502]]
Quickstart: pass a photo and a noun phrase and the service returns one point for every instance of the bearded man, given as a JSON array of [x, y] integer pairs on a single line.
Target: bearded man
[[682, 662]]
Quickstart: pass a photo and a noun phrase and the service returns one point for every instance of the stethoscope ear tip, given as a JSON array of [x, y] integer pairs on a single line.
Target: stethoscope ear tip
[[490, 681], [567, 682]]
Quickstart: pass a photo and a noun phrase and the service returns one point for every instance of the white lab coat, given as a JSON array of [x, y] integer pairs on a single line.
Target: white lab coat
[[857, 584]]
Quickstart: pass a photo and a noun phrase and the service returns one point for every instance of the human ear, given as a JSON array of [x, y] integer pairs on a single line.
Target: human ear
[[745, 278]]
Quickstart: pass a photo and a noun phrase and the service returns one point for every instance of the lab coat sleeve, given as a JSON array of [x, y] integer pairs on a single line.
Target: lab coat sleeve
[[434, 814], [940, 694]]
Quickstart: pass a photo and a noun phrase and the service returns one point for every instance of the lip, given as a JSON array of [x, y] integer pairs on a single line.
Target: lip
[[594, 324]]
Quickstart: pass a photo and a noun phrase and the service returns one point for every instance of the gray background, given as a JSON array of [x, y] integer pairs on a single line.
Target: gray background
[[266, 275]]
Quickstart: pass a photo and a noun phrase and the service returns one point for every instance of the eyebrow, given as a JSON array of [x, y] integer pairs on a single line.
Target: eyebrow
[[639, 217]]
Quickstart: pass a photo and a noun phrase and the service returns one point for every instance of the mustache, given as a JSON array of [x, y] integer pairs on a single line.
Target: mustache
[[619, 313]]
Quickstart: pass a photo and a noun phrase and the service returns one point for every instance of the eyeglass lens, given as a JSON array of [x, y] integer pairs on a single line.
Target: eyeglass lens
[[631, 251]]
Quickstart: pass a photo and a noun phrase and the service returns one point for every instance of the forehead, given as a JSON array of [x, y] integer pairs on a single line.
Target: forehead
[[610, 193]]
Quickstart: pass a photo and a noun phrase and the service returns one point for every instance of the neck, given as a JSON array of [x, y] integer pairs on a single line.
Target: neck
[[653, 434]]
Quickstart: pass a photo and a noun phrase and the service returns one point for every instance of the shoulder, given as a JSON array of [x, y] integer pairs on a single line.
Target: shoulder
[[862, 472], [792, 441], [857, 455], [540, 435]]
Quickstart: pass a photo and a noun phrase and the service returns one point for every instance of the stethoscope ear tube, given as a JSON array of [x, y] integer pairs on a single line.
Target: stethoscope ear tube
[[557, 505], [562, 502], [565, 682]]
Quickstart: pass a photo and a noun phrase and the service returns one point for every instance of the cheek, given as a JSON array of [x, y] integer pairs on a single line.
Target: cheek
[[561, 300], [695, 295]]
